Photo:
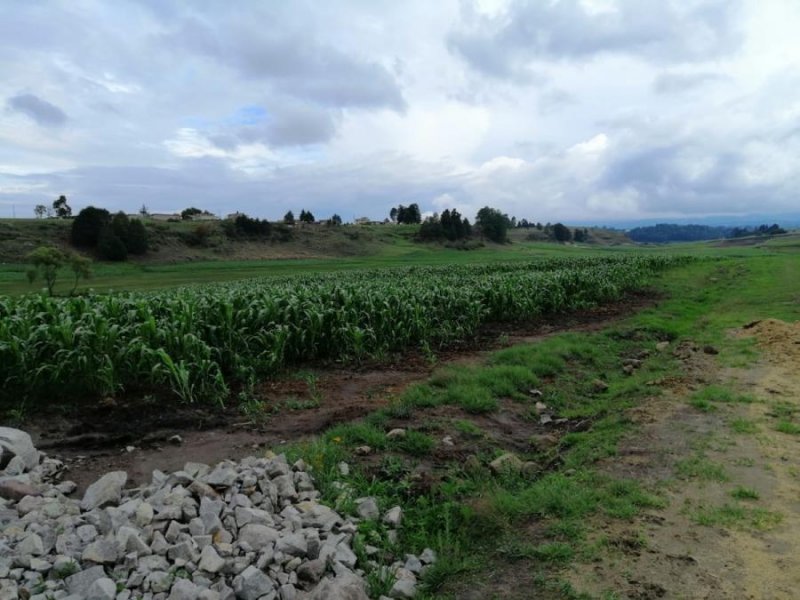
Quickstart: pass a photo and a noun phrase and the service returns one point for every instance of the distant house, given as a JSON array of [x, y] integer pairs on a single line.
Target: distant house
[[234, 216], [368, 221], [204, 217], [165, 216]]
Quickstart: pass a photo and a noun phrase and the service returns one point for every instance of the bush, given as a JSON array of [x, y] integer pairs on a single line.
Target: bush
[[88, 225], [111, 247], [137, 237]]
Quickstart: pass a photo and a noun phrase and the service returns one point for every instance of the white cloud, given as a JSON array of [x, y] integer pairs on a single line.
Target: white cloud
[[553, 110]]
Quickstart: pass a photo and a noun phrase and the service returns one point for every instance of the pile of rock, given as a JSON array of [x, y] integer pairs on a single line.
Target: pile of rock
[[252, 529]]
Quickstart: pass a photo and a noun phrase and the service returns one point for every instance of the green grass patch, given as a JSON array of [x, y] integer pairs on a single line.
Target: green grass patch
[[736, 516], [700, 467], [741, 492], [468, 428], [788, 427], [743, 426], [415, 443]]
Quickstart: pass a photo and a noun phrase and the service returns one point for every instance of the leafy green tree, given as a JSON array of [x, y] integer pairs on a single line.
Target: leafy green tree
[[81, 268], [88, 225], [61, 208], [409, 215], [493, 224], [335, 220], [45, 262], [393, 214], [306, 216], [288, 218], [40, 211]]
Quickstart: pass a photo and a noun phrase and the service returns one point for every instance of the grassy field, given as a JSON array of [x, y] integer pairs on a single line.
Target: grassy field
[[520, 532], [381, 247]]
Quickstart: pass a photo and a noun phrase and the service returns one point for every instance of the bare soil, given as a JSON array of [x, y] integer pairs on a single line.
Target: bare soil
[[666, 553]]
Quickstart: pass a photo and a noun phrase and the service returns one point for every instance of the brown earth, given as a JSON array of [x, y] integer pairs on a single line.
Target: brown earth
[[133, 434], [666, 553]]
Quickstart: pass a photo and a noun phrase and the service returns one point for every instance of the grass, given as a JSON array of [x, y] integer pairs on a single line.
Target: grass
[[740, 425], [788, 427], [700, 467], [744, 493], [736, 516]]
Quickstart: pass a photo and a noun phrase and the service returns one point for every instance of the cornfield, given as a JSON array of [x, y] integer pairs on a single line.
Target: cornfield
[[199, 341]]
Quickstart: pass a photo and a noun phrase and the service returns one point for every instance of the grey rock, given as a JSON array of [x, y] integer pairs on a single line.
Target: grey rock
[[106, 490], [507, 463], [257, 536], [311, 571], [287, 592], [102, 589], [252, 583], [32, 545], [395, 434], [79, 583], [183, 589], [12, 489], [222, 476], [413, 564], [102, 551], [293, 545], [403, 588], [159, 581], [428, 556], [346, 586], [210, 561], [367, 508], [393, 517], [16, 442]]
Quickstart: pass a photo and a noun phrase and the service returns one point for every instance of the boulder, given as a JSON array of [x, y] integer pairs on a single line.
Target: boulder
[[104, 491], [16, 442]]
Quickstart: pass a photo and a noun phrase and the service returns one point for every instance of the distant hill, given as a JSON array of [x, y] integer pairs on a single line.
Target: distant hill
[[671, 232]]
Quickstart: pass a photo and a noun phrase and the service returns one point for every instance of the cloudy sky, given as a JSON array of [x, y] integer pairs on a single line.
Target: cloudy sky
[[582, 110]]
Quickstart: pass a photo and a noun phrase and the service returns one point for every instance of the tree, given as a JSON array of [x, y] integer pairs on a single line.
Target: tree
[[578, 235], [136, 241], [144, 212], [61, 208], [393, 214], [188, 213], [88, 225], [561, 233], [335, 220], [493, 224], [306, 216], [40, 211], [81, 268], [288, 218], [45, 263], [111, 247]]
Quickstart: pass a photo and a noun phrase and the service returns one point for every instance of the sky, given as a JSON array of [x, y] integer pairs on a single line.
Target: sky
[[550, 110]]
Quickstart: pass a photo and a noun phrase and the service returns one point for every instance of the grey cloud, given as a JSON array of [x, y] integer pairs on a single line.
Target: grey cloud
[[673, 83], [41, 111], [297, 64], [661, 32]]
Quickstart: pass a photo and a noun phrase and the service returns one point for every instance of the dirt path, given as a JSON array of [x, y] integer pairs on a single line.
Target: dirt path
[[731, 526]]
